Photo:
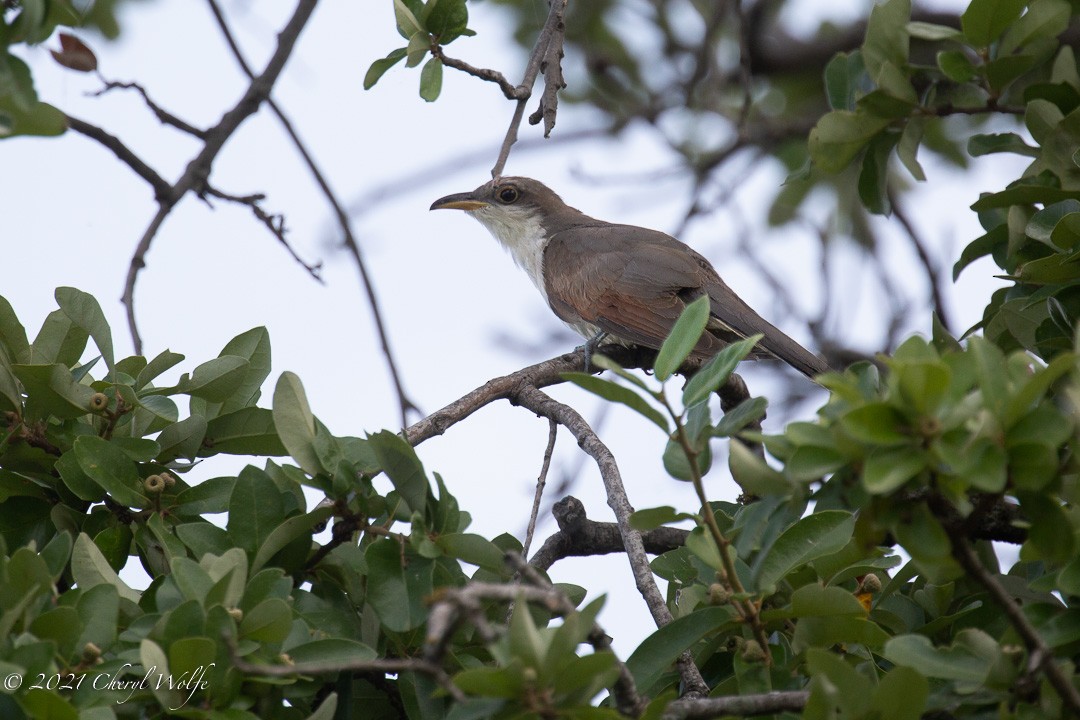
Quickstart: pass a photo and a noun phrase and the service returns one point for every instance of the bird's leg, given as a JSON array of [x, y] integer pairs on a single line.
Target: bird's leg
[[590, 346]]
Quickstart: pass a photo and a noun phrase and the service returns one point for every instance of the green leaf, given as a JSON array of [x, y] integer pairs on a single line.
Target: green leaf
[[677, 464], [295, 527], [753, 474], [990, 143], [886, 40], [613, 392], [52, 390], [1044, 20], [474, 549], [734, 420], [887, 469], [85, 312], [968, 659], [182, 439], [876, 423], [908, 147], [400, 463], [161, 363], [255, 509], [248, 431], [295, 424], [841, 135], [814, 536], [717, 371], [399, 582], [447, 19], [12, 332], [215, 380], [874, 177], [683, 338], [431, 79], [331, 651], [956, 65], [844, 76], [89, 568], [268, 622], [407, 22], [652, 518], [932, 31], [985, 20], [108, 466], [379, 67], [656, 655]]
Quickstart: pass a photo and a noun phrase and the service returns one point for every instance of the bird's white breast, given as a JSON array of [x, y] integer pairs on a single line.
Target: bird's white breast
[[521, 233]]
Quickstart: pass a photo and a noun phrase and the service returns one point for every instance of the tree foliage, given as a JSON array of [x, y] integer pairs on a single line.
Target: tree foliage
[[793, 600]]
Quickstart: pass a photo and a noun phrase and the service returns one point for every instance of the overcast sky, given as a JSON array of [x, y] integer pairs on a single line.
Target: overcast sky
[[73, 214]]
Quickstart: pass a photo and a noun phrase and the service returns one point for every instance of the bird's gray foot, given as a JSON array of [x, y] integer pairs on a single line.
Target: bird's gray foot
[[590, 347]]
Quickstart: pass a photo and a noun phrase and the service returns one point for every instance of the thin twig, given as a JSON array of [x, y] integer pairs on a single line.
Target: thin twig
[[542, 404], [275, 223], [745, 73], [161, 186], [340, 214], [553, 431], [1040, 653], [198, 170], [933, 274], [511, 91], [553, 24], [163, 115]]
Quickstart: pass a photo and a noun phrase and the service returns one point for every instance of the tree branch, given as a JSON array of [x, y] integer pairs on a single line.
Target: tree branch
[[342, 217], [743, 705], [552, 26], [542, 404], [198, 170], [541, 481], [161, 186], [578, 536]]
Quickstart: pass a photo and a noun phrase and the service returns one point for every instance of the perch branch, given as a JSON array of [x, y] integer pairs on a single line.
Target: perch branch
[[541, 481]]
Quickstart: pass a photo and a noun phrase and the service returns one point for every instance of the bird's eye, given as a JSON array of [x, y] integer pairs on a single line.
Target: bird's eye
[[508, 194]]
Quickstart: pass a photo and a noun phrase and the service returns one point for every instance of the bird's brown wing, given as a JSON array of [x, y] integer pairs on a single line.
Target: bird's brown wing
[[634, 283]]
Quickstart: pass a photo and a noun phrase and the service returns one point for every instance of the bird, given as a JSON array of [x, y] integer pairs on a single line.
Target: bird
[[623, 283]]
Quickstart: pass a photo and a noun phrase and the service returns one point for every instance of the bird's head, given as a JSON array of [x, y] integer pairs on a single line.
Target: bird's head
[[509, 207]]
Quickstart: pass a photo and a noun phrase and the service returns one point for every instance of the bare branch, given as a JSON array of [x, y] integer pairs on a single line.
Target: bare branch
[[275, 223], [198, 170], [578, 536], [553, 25], [541, 481], [511, 91], [161, 186], [934, 276], [163, 115], [741, 705], [542, 404], [342, 217], [1040, 654]]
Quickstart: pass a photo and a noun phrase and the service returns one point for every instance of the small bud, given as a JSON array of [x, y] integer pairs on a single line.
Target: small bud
[[718, 594], [91, 653], [236, 614], [284, 658], [870, 584], [154, 484], [169, 479], [529, 675], [98, 402], [752, 652]]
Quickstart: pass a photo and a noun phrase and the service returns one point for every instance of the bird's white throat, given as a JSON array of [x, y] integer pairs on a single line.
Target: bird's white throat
[[520, 232]]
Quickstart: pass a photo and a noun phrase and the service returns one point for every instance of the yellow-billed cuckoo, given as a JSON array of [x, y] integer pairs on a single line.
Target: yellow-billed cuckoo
[[627, 282]]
